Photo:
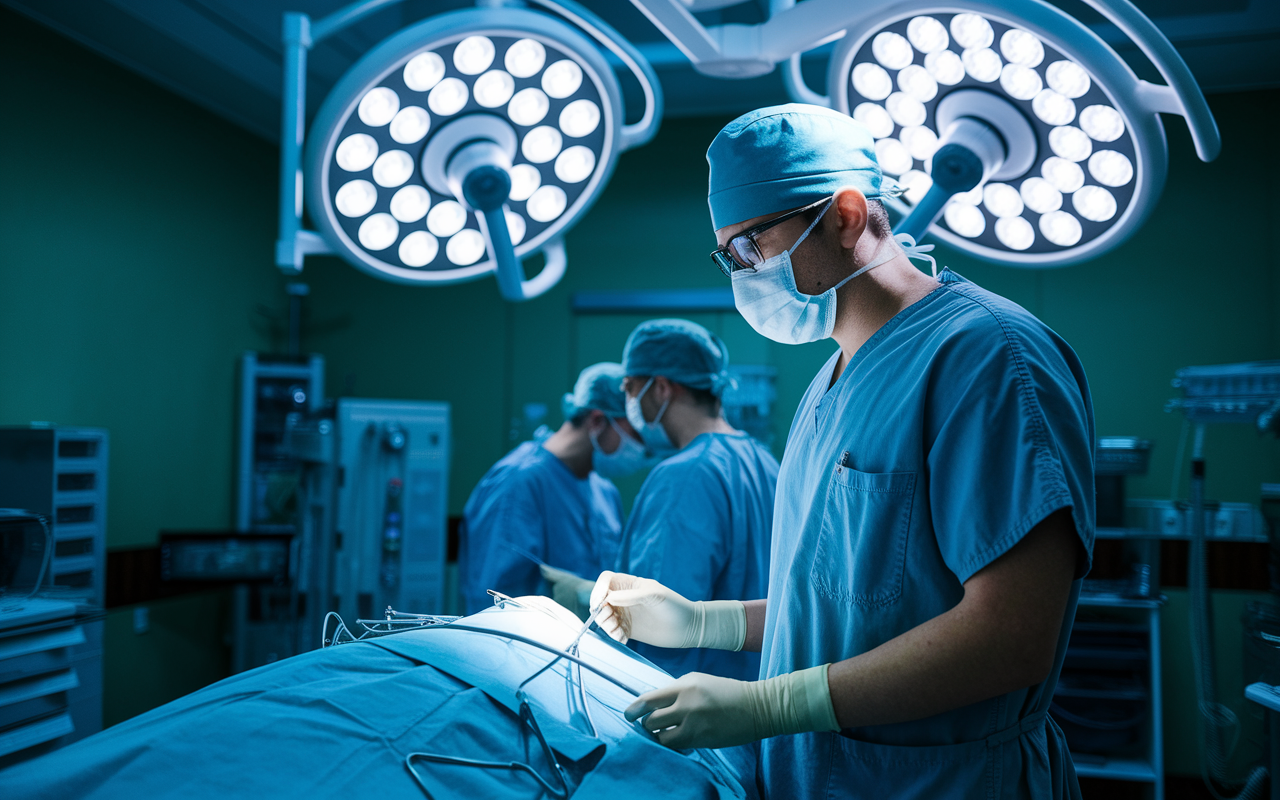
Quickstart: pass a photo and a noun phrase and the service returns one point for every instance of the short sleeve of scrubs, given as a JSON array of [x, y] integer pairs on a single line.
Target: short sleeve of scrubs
[[1004, 410]]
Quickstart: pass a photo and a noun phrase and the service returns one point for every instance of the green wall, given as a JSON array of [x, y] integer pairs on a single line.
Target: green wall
[[136, 237]]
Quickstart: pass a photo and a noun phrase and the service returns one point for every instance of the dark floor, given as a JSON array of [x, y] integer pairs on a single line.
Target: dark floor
[[1176, 787]]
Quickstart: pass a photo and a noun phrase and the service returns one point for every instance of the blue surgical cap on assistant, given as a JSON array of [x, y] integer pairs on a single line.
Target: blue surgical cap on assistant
[[783, 157], [598, 387], [679, 350]]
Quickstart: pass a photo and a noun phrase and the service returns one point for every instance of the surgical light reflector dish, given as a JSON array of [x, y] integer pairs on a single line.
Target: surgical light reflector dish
[[469, 131], [1084, 123]]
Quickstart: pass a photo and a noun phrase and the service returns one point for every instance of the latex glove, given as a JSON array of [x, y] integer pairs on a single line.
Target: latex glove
[[701, 710], [569, 590], [645, 610]]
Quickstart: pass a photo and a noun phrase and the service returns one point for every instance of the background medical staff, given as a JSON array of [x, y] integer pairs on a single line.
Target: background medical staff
[[935, 503], [550, 501], [703, 519]]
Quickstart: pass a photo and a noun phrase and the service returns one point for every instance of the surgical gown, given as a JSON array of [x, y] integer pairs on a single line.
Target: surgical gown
[[701, 526], [959, 426], [530, 506]]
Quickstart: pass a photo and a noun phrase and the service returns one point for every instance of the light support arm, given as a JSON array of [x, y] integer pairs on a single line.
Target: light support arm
[[293, 243], [742, 51]]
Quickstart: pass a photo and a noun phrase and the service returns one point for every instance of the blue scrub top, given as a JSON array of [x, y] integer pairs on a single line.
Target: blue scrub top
[[959, 426], [529, 502], [701, 526]]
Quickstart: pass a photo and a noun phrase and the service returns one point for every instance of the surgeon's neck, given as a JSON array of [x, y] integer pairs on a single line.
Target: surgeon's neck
[[685, 421], [866, 303], [573, 447]]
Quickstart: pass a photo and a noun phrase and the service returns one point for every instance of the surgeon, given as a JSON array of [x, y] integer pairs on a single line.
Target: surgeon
[[935, 503], [702, 521], [551, 502]]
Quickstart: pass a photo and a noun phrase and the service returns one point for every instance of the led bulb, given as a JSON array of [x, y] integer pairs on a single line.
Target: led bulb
[[973, 197], [1110, 168], [1060, 228], [945, 66], [892, 50], [515, 226], [579, 118], [893, 156], [1002, 200], [448, 97], [877, 120], [574, 165], [1053, 108], [473, 55], [1063, 175], [1015, 233], [983, 64], [921, 142], [378, 106], [927, 35], [378, 232], [1094, 203], [971, 30], [410, 204], [905, 110], [1067, 78], [446, 218], [1070, 142], [525, 58], [1040, 196], [562, 79], [525, 178], [419, 249], [393, 168], [356, 152], [546, 204], [541, 144], [410, 125], [493, 88], [1022, 83], [1102, 123], [355, 198], [528, 107], [1022, 47], [917, 185], [964, 219], [915, 81], [871, 81], [466, 247], [423, 71]]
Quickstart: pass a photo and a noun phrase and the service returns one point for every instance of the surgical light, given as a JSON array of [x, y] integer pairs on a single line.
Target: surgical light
[[461, 145], [1025, 106]]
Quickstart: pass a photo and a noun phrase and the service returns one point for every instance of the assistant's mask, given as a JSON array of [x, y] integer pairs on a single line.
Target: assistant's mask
[[629, 457], [769, 301], [653, 434]]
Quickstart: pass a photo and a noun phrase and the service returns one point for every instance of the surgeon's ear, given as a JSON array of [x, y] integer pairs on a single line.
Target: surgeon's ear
[[850, 208]]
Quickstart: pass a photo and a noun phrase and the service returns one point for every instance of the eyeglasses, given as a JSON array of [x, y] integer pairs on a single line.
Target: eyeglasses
[[743, 252]]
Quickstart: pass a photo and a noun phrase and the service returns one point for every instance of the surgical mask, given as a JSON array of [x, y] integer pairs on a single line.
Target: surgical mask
[[769, 301], [653, 434], [629, 457]]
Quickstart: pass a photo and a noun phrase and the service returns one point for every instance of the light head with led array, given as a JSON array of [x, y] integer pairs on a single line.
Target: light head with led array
[[1015, 131], [477, 133]]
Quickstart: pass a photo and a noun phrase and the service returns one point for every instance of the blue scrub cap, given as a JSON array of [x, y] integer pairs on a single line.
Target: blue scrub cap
[[783, 157], [598, 387], [679, 350]]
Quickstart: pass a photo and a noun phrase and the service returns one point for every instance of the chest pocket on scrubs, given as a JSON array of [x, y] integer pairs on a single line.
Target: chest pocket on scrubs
[[862, 545]]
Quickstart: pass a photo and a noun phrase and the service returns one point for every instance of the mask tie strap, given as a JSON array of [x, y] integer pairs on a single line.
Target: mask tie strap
[[919, 252]]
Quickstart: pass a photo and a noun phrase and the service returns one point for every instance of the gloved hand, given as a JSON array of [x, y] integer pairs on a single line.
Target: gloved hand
[[707, 711], [645, 610], [569, 590]]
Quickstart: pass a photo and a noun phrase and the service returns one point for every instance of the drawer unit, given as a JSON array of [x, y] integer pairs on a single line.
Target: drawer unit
[[38, 644]]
